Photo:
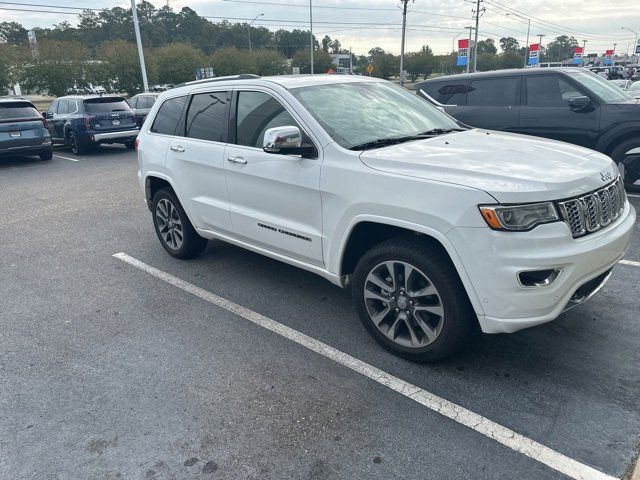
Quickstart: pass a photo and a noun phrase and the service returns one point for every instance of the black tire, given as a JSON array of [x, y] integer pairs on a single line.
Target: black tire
[[130, 145], [192, 244], [618, 155], [458, 322], [46, 155], [76, 147]]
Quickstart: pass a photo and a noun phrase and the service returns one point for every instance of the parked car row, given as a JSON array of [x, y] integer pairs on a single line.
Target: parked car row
[[568, 104]]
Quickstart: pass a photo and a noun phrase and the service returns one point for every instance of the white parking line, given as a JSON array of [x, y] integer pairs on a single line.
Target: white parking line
[[633, 195], [630, 262], [66, 158], [519, 443]]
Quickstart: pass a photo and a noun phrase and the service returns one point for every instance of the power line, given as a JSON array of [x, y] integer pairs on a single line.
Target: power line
[[332, 7]]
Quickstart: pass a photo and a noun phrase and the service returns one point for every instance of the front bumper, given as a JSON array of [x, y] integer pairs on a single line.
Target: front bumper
[[493, 259], [122, 135]]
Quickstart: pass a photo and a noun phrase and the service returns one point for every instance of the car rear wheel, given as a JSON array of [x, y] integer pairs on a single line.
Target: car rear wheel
[[631, 168], [47, 155], [174, 230], [411, 300], [74, 144]]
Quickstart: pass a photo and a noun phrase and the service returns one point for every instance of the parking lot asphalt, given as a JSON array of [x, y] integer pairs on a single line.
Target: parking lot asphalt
[[108, 372]]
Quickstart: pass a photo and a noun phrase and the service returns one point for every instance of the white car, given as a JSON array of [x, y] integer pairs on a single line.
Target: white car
[[437, 228], [634, 90]]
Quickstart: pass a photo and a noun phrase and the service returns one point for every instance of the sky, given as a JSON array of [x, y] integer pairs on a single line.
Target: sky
[[363, 24]]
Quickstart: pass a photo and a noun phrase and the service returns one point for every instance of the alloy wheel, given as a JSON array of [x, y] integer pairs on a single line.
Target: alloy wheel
[[169, 224], [404, 304]]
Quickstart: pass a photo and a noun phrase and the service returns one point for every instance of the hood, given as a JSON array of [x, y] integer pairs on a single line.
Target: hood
[[512, 168]]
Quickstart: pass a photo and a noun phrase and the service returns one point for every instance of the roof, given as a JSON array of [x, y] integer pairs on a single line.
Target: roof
[[16, 100], [88, 97], [286, 81], [509, 73]]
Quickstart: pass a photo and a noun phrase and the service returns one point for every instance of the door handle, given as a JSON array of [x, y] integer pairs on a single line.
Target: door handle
[[237, 160], [177, 148]]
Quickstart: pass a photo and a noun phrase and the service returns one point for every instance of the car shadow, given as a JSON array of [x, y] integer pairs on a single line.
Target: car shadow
[[19, 161]]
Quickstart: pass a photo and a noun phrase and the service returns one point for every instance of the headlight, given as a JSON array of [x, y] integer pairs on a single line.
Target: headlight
[[518, 217]]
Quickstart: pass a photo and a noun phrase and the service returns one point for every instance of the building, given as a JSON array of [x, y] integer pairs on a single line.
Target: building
[[343, 62]]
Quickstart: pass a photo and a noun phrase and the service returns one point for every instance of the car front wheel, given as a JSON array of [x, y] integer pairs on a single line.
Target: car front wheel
[[631, 165], [174, 230], [410, 299]]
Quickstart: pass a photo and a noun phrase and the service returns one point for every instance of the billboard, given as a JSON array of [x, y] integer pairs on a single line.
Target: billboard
[[577, 55], [608, 56]]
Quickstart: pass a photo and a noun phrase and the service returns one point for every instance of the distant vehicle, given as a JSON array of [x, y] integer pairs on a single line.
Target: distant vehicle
[[98, 90], [83, 121], [23, 130], [161, 88], [141, 104], [568, 104], [634, 90], [623, 84]]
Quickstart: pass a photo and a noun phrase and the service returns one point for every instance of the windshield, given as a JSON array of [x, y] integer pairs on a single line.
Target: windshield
[[106, 105], [604, 89], [357, 113]]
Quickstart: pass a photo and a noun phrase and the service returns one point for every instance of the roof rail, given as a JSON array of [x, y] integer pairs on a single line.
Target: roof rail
[[244, 76]]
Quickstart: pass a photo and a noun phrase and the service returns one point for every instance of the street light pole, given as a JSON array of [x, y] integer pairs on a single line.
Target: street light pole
[[251, 23], [584, 50], [635, 41], [469, 49], [404, 28], [453, 42], [311, 30], [475, 45], [136, 27]]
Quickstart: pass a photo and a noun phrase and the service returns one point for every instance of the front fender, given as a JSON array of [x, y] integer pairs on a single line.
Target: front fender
[[607, 141]]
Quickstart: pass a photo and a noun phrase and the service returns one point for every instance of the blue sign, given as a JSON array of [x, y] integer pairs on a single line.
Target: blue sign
[[577, 59], [533, 57], [204, 72], [462, 61]]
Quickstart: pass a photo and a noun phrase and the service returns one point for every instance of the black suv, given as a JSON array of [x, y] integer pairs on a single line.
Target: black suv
[[568, 104], [81, 121]]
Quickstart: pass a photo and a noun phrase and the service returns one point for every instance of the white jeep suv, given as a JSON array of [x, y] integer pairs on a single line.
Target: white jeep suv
[[437, 227]]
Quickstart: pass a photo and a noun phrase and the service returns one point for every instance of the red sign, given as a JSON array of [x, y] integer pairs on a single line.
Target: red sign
[[534, 47], [609, 52], [463, 43], [577, 50]]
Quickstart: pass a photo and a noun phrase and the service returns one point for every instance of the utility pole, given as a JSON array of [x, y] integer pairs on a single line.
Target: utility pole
[[526, 47], [475, 44], [469, 50], [584, 51], [311, 29], [255, 18], [136, 27], [404, 28], [540, 35]]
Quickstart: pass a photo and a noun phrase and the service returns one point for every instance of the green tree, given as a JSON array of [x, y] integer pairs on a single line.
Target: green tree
[[269, 62], [509, 44], [233, 61], [176, 63], [560, 49], [119, 65], [12, 33], [60, 66], [487, 46], [321, 61], [420, 63], [511, 60]]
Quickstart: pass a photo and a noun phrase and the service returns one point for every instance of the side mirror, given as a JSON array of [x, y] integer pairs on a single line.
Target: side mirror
[[579, 103], [286, 141], [45, 114]]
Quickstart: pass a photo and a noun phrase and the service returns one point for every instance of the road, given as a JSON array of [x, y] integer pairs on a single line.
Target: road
[[109, 372]]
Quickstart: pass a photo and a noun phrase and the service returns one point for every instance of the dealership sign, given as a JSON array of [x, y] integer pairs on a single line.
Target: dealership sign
[[577, 56], [608, 55], [463, 52], [534, 51]]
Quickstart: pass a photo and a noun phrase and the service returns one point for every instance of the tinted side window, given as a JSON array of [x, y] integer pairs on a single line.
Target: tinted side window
[[63, 107], [549, 91], [73, 106], [493, 92], [168, 116], [256, 113], [206, 118], [134, 102], [53, 108], [446, 93]]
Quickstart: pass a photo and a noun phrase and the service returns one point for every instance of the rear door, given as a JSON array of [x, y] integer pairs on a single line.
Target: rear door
[[492, 103], [52, 112], [451, 94], [21, 125], [59, 118], [546, 111], [108, 114], [195, 160]]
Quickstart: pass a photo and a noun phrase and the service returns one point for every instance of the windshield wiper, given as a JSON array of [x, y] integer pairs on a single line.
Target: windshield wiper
[[442, 131], [383, 142]]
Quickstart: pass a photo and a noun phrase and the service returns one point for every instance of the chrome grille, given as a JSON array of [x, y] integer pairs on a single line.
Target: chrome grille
[[595, 210]]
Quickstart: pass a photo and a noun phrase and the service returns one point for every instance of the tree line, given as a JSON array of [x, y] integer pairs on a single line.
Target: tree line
[[100, 50]]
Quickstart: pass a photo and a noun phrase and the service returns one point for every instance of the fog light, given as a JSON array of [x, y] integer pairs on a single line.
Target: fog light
[[539, 278]]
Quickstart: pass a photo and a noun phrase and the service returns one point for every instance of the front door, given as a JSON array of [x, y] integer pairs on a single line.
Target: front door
[[546, 112], [274, 200]]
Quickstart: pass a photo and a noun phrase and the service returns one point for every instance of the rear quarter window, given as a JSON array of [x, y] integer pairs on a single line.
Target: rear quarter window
[[494, 92], [168, 116], [11, 110]]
